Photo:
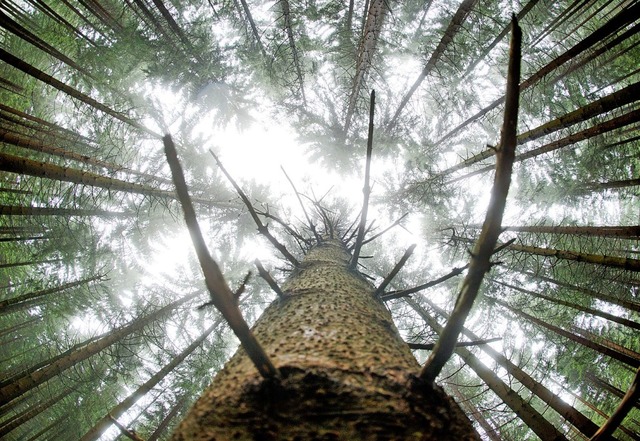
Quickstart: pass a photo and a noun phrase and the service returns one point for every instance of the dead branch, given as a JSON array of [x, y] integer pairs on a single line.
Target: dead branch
[[262, 229], [430, 346], [491, 229], [366, 189], [395, 270], [405, 292], [270, 280], [454, 272], [126, 432], [221, 296], [397, 222]]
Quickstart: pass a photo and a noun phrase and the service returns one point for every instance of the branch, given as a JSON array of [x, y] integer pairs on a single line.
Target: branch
[[405, 292], [126, 432], [221, 296], [367, 189], [262, 229], [491, 229], [454, 272], [395, 270], [267, 277], [385, 230], [311, 225], [297, 236], [626, 404], [430, 346]]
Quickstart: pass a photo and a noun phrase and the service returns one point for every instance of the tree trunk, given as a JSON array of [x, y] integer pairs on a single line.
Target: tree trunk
[[27, 382], [454, 26], [629, 15], [105, 422], [345, 371], [624, 358], [633, 306], [466, 404], [27, 299], [564, 409], [594, 312], [525, 411]]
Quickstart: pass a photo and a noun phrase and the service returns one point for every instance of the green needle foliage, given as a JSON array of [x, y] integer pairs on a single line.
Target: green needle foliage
[[99, 286]]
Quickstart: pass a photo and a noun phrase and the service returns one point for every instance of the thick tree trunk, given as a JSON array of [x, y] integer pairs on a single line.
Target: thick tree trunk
[[345, 371]]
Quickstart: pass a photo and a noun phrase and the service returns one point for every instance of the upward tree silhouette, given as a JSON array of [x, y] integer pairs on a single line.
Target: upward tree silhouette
[[103, 334]]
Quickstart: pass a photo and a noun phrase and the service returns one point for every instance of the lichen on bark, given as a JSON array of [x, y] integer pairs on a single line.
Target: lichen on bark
[[345, 371]]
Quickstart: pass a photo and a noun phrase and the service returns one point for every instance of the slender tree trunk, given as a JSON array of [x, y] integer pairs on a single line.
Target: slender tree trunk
[[598, 129], [51, 81], [564, 409], [166, 421], [624, 358], [633, 306], [12, 210], [32, 411], [616, 100], [532, 418], [25, 166], [366, 51], [629, 15], [605, 315], [595, 259], [456, 23], [476, 414], [105, 422], [288, 28], [626, 232], [25, 383], [29, 262], [602, 384], [27, 299], [345, 371]]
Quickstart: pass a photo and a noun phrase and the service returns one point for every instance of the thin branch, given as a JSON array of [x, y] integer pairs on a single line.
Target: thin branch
[[430, 346], [262, 229], [221, 296], [372, 238], [405, 292], [454, 272], [395, 270], [297, 236], [628, 402], [267, 277], [491, 229], [367, 189], [306, 215]]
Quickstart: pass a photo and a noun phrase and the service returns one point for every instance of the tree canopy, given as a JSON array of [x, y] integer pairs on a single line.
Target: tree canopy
[[100, 330]]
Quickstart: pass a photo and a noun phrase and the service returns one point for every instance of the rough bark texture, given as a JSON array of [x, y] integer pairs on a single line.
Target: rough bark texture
[[346, 373]]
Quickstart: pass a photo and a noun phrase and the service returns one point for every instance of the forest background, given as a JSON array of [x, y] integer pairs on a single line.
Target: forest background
[[98, 282]]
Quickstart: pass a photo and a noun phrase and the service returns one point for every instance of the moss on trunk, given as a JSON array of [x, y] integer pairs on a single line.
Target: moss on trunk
[[346, 372]]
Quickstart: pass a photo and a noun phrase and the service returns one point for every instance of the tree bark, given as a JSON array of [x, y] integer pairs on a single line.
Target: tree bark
[[346, 373]]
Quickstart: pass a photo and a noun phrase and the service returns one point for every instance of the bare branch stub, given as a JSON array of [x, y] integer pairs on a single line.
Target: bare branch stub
[[306, 215], [491, 229], [366, 190], [395, 270], [262, 229], [430, 346], [221, 296], [270, 280]]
